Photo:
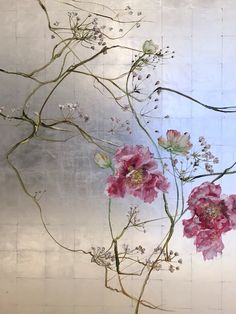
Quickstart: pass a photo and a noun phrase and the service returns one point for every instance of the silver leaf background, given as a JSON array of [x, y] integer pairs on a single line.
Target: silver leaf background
[[36, 276]]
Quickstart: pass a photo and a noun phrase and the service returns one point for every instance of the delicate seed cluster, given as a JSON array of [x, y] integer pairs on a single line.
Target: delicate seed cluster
[[72, 111], [119, 127]]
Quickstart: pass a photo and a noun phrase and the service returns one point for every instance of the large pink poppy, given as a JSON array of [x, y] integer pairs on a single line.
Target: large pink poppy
[[212, 215], [136, 174]]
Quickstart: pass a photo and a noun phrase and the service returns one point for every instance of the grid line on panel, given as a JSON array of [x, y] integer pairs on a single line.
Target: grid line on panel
[[221, 290], [222, 73], [161, 103], [191, 65]]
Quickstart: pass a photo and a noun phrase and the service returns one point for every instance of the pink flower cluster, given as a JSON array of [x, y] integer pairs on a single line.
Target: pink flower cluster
[[136, 174], [212, 215]]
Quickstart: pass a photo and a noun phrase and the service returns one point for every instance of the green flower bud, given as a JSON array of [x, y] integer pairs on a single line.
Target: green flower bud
[[149, 47], [102, 160]]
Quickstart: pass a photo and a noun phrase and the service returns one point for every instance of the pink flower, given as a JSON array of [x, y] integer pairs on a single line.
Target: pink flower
[[206, 203], [175, 142], [210, 218], [136, 174]]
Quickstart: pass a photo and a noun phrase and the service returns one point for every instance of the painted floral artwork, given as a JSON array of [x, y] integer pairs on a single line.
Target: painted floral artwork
[[166, 169], [136, 174]]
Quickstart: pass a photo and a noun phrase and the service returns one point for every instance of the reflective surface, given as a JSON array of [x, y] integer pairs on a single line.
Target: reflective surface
[[37, 276]]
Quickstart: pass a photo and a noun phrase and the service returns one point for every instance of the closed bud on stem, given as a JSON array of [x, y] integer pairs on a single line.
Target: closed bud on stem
[[102, 160], [149, 47]]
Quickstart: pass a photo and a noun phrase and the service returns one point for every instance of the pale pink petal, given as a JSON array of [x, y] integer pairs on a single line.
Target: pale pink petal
[[173, 135], [161, 182], [147, 195], [191, 227], [209, 243]]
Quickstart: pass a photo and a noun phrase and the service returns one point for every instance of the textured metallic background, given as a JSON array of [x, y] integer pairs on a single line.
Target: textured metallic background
[[37, 277]]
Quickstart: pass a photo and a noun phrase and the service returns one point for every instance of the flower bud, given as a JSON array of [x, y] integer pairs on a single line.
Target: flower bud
[[149, 47], [102, 160]]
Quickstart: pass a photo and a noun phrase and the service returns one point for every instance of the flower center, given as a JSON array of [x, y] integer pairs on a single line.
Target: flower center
[[135, 176], [212, 212]]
